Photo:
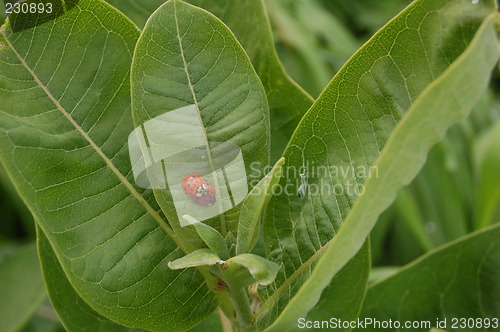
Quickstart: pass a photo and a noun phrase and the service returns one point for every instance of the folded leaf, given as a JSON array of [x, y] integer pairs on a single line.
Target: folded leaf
[[251, 210], [359, 122], [200, 257], [212, 238], [263, 270]]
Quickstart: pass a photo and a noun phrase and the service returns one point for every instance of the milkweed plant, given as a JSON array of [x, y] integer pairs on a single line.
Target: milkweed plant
[[179, 179]]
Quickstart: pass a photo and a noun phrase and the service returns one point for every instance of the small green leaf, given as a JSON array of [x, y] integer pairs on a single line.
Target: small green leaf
[[212, 238], [262, 270], [200, 257], [457, 280], [21, 287], [248, 226]]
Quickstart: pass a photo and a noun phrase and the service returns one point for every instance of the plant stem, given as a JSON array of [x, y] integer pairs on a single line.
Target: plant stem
[[236, 279], [244, 315]]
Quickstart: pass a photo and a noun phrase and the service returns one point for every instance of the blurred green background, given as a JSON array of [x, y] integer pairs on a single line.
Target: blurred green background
[[457, 191]]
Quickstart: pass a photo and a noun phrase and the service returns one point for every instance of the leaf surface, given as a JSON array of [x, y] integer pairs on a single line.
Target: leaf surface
[[64, 123], [361, 121], [75, 314]]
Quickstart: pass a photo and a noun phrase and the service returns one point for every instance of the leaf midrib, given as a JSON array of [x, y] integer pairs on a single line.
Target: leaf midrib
[[202, 126], [154, 214]]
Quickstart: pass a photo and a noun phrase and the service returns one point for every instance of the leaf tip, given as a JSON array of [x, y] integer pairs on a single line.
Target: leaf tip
[[190, 219]]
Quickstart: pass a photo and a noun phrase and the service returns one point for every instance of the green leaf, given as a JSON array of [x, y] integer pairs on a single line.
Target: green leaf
[[196, 95], [359, 122], [212, 238], [21, 287], [200, 257], [262, 270], [457, 280], [251, 209], [64, 126], [75, 314], [487, 162]]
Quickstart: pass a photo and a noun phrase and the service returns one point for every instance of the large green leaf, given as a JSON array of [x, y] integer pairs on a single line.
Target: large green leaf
[[21, 287], [75, 314], [458, 280], [359, 122], [190, 72], [64, 123]]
